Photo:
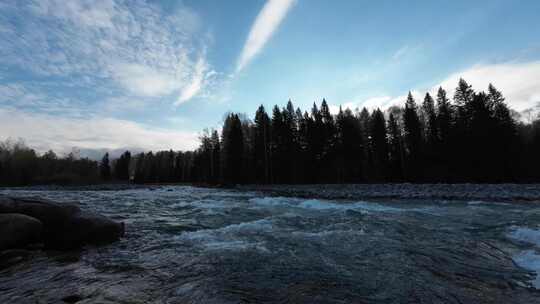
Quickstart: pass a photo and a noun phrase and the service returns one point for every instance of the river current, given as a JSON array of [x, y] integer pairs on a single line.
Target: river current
[[197, 245]]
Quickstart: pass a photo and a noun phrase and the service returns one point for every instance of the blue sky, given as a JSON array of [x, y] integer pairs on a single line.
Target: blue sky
[[152, 74]]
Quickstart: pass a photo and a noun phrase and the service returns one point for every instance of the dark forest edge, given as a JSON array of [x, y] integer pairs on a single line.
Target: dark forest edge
[[475, 138]]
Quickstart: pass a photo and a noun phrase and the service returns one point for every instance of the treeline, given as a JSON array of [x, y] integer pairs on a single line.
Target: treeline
[[473, 138], [21, 165]]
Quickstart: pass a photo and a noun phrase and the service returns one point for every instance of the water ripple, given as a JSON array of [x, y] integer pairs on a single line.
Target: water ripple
[[195, 245]]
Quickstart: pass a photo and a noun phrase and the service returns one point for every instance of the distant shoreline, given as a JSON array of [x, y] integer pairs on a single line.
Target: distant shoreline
[[473, 192]]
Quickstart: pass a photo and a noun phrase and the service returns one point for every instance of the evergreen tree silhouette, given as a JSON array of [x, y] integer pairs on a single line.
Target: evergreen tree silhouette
[[121, 169], [366, 157], [262, 146], [215, 163], [431, 132], [396, 150], [443, 150], [463, 97], [233, 150], [104, 167], [379, 145], [413, 139]]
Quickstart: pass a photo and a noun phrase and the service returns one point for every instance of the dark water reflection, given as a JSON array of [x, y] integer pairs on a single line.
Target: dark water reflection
[[194, 245]]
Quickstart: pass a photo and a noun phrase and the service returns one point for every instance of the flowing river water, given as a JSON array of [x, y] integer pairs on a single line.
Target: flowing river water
[[197, 245]]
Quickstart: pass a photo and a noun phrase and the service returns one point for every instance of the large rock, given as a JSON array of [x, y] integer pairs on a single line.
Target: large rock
[[86, 228], [50, 213], [18, 230], [65, 226]]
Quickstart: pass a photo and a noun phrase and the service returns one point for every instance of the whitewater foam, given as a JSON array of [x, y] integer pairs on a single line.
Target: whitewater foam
[[324, 205], [527, 235], [530, 260], [328, 233], [240, 236]]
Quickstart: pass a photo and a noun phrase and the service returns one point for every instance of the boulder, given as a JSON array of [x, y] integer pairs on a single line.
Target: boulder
[[65, 226], [50, 213], [86, 228], [18, 230]]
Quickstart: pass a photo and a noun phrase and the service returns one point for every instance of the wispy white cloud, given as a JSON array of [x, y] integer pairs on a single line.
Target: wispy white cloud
[[266, 23], [132, 47], [32, 97], [44, 132], [407, 52], [400, 52], [143, 80], [90, 13], [197, 81]]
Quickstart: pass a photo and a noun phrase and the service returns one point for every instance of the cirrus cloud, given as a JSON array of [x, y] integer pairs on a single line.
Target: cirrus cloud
[[145, 52], [266, 23]]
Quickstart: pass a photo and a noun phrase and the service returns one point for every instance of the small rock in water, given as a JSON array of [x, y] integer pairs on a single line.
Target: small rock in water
[[72, 299]]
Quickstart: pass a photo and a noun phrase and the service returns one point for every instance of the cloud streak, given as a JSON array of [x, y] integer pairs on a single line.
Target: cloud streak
[[196, 83], [266, 23]]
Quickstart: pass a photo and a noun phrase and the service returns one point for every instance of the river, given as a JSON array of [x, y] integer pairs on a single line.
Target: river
[[196, 245]]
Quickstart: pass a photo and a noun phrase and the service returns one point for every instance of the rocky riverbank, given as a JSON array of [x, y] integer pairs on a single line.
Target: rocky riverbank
[[30, 223], [479, 192], [90, 187]]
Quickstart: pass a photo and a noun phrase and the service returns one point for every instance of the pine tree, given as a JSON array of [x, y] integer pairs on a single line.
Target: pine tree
[[379, 144], [140, 177], [317, 132], [278, 145], [444, 116], [233, 150], [291, 143], [464, 93], [461, 137], [444, 136], [479, 161], [262, 145], [504, 135], [366, 157], [413, 139], [494, 96], [121, 168], [428, 109], [104, 167], [327, 167], [215, 168], [395, 144], [463, 97]]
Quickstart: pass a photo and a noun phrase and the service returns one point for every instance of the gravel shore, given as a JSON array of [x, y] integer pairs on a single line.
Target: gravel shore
[[481, 192]]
